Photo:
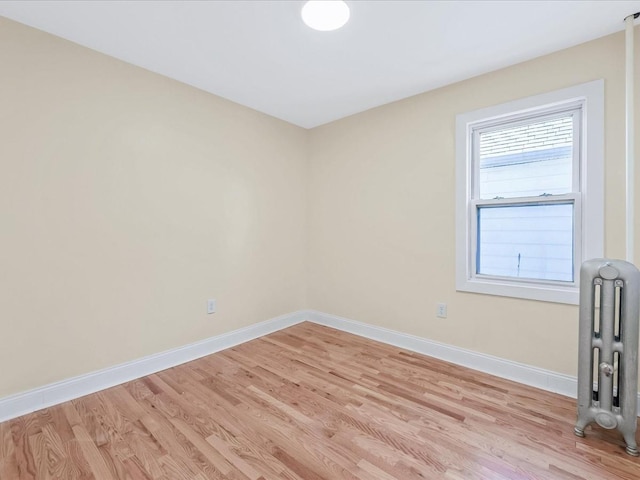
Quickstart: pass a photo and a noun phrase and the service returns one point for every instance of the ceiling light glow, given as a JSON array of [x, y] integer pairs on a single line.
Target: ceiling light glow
[[325, 15]]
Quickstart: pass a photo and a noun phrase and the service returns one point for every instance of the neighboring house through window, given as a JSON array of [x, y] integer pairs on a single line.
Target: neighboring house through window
[[530, 202]]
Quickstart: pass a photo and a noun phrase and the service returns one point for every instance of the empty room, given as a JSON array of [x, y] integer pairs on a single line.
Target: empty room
[[256, 240]]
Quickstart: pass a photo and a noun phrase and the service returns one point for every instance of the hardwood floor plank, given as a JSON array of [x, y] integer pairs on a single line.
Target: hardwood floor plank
[[92, 454], [8, 461], [311, 402], [21, 429], [38, 446], [9, 468], [7, 448], [147, 451], [221, 467]]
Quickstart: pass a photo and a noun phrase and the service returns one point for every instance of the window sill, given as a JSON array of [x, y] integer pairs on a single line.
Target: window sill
[[529, 291]]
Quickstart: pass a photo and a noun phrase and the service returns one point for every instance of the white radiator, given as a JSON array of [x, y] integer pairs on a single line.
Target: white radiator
[[608, 348]]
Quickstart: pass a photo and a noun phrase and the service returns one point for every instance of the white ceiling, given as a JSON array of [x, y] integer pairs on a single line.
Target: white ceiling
[[260, 54]]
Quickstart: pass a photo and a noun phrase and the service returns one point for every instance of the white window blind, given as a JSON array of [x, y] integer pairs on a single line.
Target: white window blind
[[527, 160]]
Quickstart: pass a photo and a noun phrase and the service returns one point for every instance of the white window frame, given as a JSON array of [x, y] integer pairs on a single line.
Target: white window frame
[[587, 197]]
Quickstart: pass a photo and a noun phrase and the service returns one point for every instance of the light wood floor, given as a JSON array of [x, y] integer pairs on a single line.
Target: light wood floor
[[312, 403]]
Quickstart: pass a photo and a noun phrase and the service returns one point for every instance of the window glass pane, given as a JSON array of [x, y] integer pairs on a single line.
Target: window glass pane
[[530, 241], [527, 160]]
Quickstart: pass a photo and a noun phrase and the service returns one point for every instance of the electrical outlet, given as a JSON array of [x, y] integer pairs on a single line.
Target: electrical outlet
[[211, 306], [441, 310]]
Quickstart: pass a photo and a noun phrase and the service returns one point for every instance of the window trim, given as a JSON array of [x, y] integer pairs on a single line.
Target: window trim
[[588, 202]]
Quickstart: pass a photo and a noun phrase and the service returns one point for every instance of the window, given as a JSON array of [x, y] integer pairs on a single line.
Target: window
[[529, 199]]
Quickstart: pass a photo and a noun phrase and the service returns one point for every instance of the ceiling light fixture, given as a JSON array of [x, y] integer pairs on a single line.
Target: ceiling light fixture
[[325, 15]]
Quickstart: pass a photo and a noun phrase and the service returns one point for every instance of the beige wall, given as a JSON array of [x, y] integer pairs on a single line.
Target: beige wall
[[128, 199], [382, 212]]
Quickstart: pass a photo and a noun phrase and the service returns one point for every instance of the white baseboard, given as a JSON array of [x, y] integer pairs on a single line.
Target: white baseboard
[[55, 393], [518, 372]]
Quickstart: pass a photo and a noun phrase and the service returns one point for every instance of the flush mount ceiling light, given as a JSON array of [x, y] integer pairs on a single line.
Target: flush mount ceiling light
[[325, 15]]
